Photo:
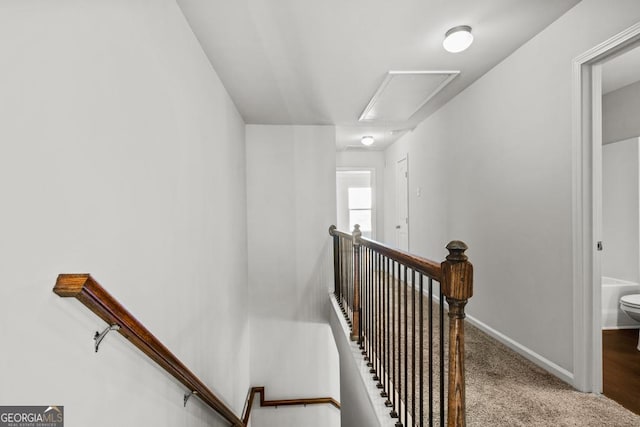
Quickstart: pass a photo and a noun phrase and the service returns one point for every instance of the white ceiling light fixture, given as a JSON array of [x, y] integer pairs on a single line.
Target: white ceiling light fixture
[[367, 140], [457, 39]]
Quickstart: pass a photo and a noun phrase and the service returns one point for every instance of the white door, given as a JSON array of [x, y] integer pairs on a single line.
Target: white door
[[402, 205]]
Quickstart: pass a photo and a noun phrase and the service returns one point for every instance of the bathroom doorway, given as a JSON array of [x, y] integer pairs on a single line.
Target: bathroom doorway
[[620, 227], [587, 206]]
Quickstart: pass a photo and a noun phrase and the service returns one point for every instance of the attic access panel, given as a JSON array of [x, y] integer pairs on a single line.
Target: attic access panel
[[403, 93]]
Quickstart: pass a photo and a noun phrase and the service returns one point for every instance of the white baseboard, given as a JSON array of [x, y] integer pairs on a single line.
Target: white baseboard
[[526, 352], [522, 350]]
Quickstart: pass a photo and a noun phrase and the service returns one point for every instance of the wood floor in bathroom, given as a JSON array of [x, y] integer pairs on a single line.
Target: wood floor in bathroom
[[621, 367]]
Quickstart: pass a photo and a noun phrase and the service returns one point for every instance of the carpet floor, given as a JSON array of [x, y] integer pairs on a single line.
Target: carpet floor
[[505, 389]]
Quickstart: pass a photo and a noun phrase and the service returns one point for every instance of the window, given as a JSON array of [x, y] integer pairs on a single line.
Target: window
[[356, 201], [360, 209]]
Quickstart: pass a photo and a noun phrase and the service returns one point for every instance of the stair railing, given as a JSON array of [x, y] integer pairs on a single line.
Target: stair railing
[[88, 291], [395, 308]]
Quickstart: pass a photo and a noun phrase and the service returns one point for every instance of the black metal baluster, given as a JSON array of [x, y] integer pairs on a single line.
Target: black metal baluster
[[413, 345], [336, 264], [399, 283], [369, 305], [387, 341], [430, 309], [372, 320], [372, 311], [340, 269], [386, 348], [376, 312], [347, 267], [351, 283], [442, 403], [376, 362], [377, 376], [405, 286], [392, 392], [383, 368], [343, 273], [421, 346], [345, 277], [399, 329], [363, 300], [366, 313]]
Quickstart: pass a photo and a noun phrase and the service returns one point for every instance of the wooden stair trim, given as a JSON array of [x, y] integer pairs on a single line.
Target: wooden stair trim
[[282, 402]]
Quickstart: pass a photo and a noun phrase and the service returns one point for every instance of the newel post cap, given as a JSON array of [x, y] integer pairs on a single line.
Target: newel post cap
[[357, 234], [457, 273], [456, 250]]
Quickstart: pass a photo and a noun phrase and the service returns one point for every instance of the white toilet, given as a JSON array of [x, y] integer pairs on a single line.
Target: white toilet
[[630, 304]]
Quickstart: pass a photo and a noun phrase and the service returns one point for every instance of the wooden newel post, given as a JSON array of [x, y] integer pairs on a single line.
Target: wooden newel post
[[336, 262], [457, 287], [355, 329]]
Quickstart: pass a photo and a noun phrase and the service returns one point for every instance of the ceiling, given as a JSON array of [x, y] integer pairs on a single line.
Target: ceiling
[[621, 71], [320, 62]]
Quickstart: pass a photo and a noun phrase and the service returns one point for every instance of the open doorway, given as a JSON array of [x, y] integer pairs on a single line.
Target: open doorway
[[587, 207], [620, 227], [355, 201]]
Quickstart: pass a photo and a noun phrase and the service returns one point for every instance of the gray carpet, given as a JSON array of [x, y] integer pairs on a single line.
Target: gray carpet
[[505, 389]]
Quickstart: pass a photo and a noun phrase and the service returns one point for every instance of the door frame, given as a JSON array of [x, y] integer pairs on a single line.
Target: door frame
[[586, 207]]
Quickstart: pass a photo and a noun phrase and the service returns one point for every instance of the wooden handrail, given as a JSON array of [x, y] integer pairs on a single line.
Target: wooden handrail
[[335, 232], [423, 265], [420, 264], [84, 288], [283, 402]]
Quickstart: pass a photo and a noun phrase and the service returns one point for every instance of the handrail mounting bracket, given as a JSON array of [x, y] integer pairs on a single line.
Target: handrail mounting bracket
[[99, 336], [187, 396]]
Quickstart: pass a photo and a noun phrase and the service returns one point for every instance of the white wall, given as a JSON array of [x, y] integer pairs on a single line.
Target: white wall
[[121, 155], [494, 165], [621, 210], [374, 161], [621, 113], [291, 204], [295, 360]]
